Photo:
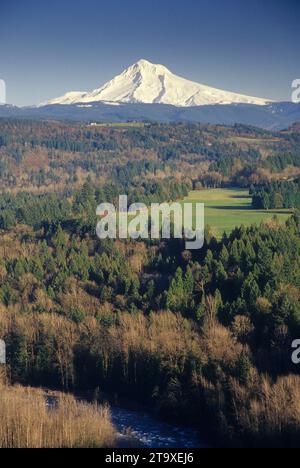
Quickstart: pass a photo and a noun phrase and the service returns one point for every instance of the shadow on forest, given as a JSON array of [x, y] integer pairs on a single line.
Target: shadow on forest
[[248, 208], [231, 208], [244, 197]]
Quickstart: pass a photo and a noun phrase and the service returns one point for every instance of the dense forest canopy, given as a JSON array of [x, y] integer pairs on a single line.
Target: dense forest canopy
[[180, 331], [50, 156], [198, 336], [276, 195]]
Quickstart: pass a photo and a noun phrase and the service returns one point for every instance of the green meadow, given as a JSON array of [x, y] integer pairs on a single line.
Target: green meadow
[[119, 125], [226, 209]]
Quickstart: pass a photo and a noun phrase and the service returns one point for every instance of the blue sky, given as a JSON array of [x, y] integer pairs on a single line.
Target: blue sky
[[50, 47]]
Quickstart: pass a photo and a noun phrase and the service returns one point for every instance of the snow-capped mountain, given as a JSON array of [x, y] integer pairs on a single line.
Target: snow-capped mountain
[[147, 83]]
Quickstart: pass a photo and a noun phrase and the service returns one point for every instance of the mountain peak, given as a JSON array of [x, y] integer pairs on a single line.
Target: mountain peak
[[146, 69], [146, 65], [148, 83]]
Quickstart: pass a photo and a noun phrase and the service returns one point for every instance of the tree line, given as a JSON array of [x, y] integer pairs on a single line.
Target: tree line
[[50, 156], [276, 195]]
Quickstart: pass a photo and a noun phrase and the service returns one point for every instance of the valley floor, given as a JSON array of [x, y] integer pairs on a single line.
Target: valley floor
[[226, 209]]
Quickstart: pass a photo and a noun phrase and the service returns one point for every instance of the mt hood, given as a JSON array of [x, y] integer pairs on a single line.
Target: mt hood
[[147, 83]]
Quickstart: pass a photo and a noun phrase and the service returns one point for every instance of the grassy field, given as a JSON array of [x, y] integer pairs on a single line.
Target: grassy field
[[119, 125], [226, 209]]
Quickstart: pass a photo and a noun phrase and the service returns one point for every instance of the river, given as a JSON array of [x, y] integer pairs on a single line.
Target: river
[[141, 429]]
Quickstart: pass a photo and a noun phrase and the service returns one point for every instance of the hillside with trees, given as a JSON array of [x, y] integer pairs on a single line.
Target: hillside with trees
[[200, 337], [178, 331], [41, 157], [276, 195]]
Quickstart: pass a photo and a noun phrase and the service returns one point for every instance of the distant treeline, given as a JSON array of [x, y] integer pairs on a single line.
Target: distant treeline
[[276, 195], [280, 162], [51, 156]]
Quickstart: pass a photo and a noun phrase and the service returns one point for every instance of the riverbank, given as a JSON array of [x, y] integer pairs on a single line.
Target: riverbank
[[137, 426], [30, 419]]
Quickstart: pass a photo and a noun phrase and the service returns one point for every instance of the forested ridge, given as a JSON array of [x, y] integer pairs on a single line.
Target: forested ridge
[[201, 337], [50, 156]]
